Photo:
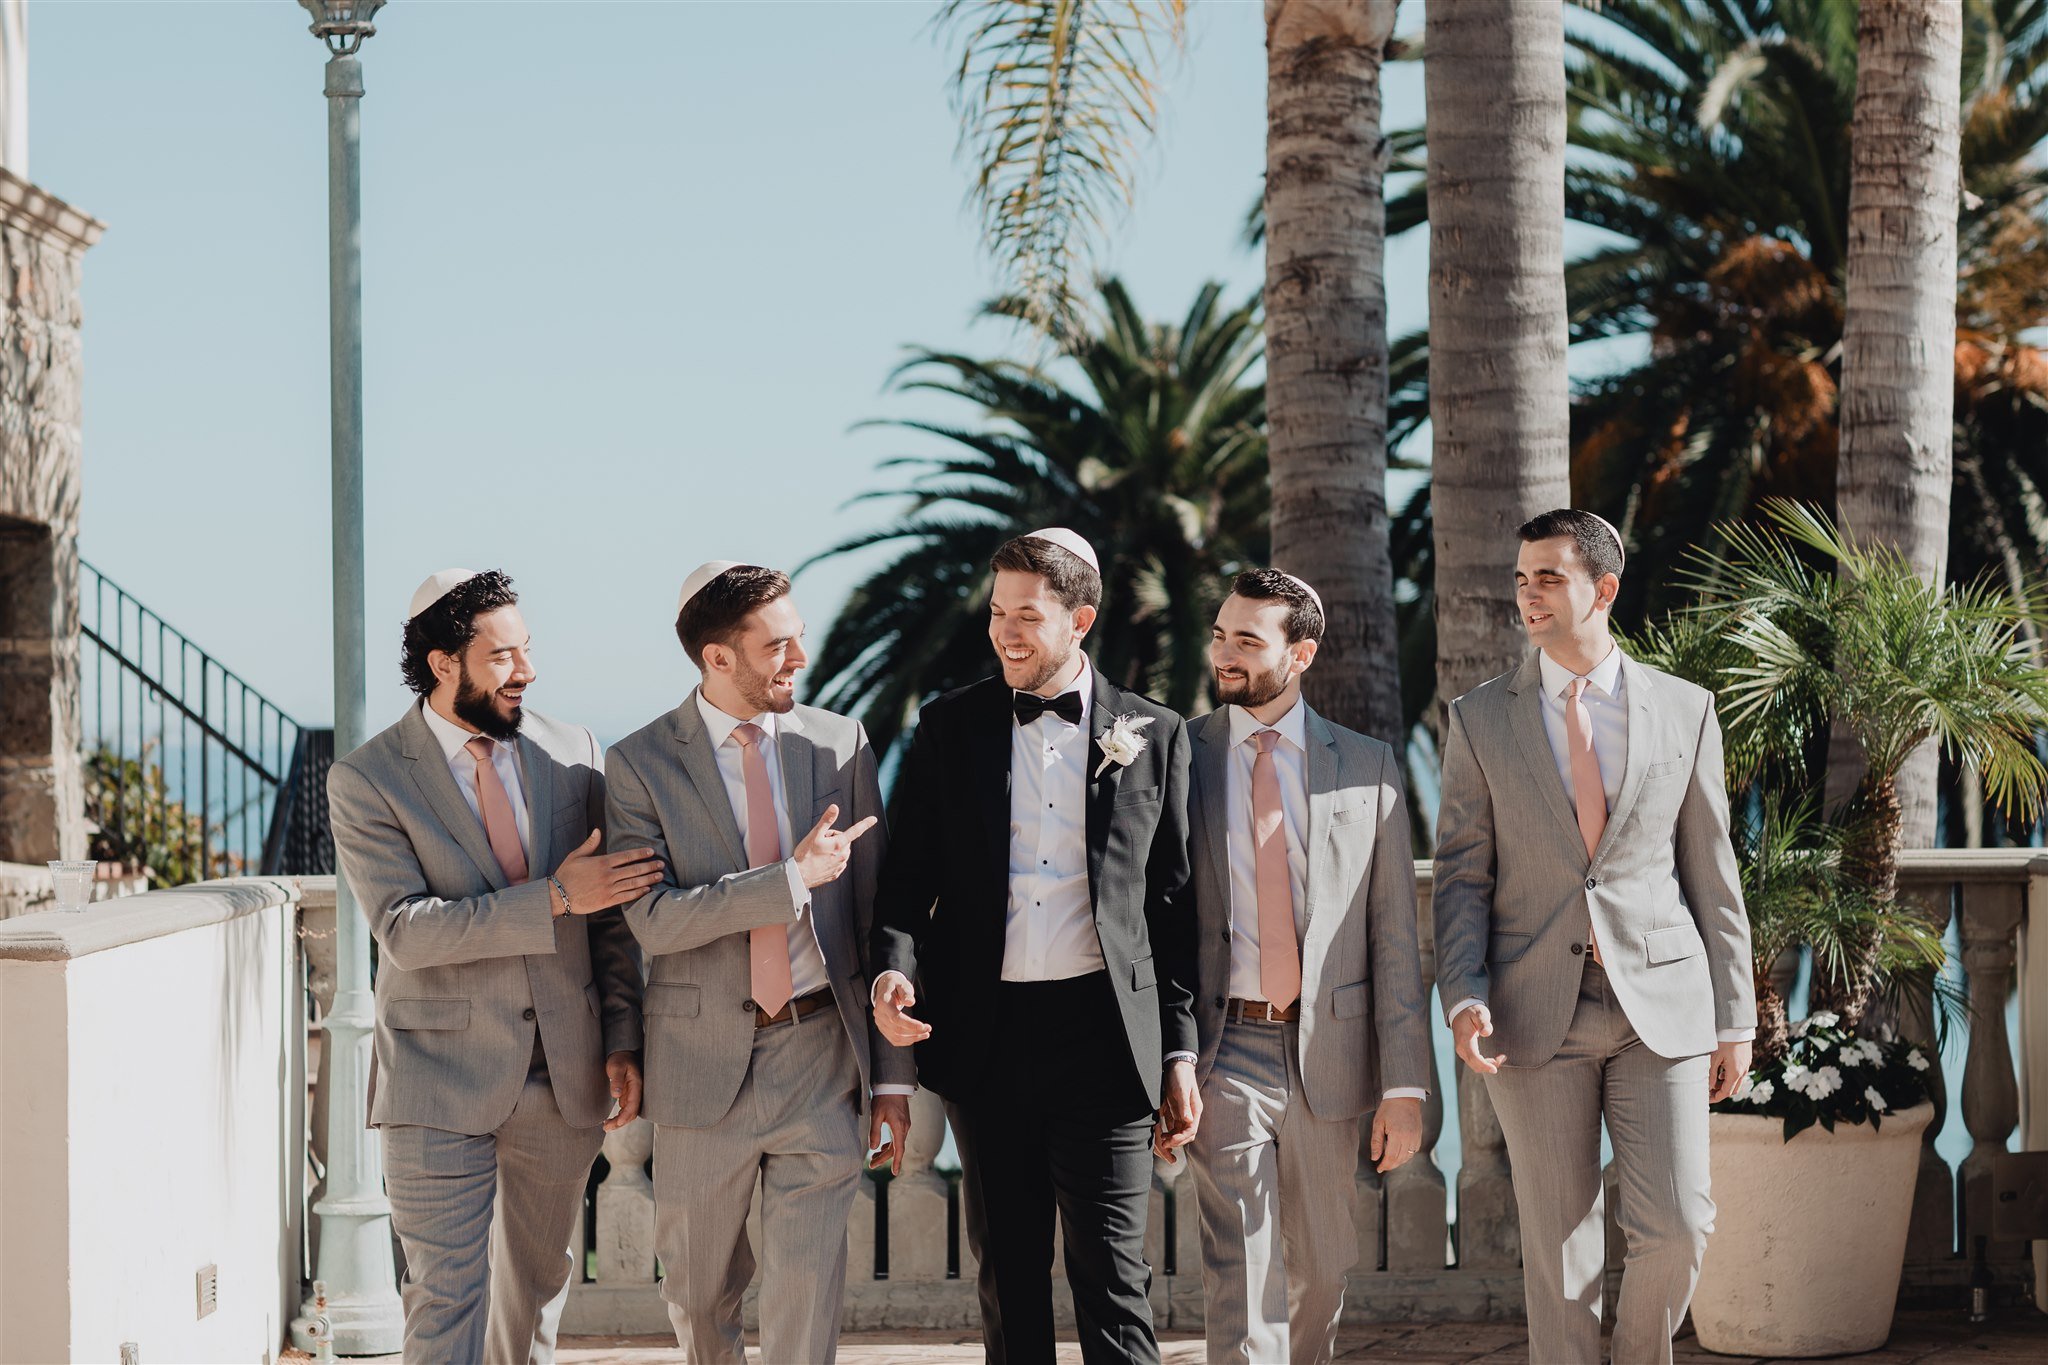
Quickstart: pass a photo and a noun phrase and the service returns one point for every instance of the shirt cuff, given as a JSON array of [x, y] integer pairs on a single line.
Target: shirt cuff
[[1467, 1003], [1736, 1035], [799, 894], [875, 991], [1406, 1092], [1180, 1057], [882, 1090]]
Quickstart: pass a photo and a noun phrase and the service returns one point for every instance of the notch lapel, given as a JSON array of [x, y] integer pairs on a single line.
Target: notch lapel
[[1212, 779], [1640, 733], [799, 766], [537, 774], [430, 774], [988, 771], [1322, 799], [1101, 790], [1525, 710], [700, 766]]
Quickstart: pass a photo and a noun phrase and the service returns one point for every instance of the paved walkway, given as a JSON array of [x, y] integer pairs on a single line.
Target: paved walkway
[[2015, 1337]]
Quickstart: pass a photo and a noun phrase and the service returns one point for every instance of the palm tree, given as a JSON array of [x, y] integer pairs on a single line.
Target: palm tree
[[1326, 328], [1146, 438], [1498, 398]]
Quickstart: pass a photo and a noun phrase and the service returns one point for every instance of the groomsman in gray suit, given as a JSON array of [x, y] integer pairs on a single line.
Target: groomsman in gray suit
[[1591, 946], [1311, 1012], [508, 997], [760, 1054]]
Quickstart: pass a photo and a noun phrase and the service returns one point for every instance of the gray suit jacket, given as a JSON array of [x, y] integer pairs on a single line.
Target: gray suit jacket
[[1364, 1027], [1514, 888], [665, 792], [468, 967]]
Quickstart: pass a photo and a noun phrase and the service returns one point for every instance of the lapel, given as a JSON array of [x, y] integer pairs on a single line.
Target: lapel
[[700, 766], [430, 774], [1101, 790], [1322, 799], [537, 775], [1636, 681], [987, 758], [1212, 778], [799, 771], [1525, 710]]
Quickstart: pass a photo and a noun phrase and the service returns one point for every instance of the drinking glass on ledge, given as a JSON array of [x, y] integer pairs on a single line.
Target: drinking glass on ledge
[[74, 883]]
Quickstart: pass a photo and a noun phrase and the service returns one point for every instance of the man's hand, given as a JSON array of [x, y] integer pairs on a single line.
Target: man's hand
[[1180, 1109], [1473, 1023], [597, 881], [623, 1070], [1396, 1132], [824, 852], [891, 1112], [1725, 1071], [894, 996]]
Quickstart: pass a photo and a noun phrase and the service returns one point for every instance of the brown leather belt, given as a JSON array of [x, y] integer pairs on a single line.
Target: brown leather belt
[[795, 1009], [1260, 1012]]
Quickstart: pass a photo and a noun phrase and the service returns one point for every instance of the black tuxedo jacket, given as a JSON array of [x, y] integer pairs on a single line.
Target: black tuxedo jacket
[[944, 890]]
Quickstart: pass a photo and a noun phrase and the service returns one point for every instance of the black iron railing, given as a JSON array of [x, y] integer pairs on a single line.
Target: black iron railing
[[183, 758]]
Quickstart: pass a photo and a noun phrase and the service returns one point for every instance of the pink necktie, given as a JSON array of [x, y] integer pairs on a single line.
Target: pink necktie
[[501, 826], [767, 948], [1279, 955], [1589, 793]]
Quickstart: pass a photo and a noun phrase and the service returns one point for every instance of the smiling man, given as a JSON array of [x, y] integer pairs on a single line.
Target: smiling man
[[761, 1057], [508, 996], [1031, 914], [1591, 946]]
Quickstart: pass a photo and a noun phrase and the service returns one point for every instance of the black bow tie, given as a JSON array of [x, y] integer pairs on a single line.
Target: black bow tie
[[1030, 706]]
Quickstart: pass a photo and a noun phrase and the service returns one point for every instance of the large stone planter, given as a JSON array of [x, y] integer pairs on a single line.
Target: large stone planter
[[1809, 1235]]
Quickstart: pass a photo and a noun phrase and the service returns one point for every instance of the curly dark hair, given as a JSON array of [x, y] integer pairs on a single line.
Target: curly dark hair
[[722, 606], [1304, 615], [450, 624]]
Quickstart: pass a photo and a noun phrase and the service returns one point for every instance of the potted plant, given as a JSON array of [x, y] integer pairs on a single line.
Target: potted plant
[[1799, 629]]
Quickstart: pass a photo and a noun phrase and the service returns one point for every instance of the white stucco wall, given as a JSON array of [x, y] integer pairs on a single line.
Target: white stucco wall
[[146, 1077]]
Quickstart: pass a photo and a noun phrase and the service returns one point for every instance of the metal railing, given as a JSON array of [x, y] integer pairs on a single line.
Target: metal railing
[[183, 758]]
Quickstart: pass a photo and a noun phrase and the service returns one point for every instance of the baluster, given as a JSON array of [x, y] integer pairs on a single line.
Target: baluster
[[1368, 1209], [1489, 1229], [1415, 1196], [862, 1252], [1186, 1302], [917, 1198], [625, 1207], [1155, 1245], [1931, 1234], [1991, 1100]]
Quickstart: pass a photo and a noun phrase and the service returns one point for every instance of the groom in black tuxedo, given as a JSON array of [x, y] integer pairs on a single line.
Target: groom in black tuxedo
[[1031, 912]]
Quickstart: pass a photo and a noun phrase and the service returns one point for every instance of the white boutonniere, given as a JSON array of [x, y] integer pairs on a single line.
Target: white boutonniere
[[1121, 742]]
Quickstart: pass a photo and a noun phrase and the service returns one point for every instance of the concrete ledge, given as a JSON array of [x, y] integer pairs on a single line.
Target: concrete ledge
[[42, 214], [53, 936]]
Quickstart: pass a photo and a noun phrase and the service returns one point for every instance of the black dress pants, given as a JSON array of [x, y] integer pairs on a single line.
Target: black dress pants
[[1060, 1125]]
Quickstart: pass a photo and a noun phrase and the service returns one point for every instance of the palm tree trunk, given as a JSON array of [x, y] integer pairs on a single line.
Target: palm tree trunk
[[1326, 342], [1898, 335], [1498, 401]]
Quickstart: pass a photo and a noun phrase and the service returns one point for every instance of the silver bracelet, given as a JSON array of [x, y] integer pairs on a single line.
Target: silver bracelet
[[555, 882]]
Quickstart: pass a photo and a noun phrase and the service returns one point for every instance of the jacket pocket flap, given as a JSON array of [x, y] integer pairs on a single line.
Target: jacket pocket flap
[[1352, 814], [1348, 1002], [1506, 946], [1675, 944], [422, 1012], [1131, 796], [593, 999], [1668, 767], [1142, 978], [679, 999]]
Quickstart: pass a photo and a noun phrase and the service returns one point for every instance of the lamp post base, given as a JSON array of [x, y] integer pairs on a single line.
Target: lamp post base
[[370, 1325]]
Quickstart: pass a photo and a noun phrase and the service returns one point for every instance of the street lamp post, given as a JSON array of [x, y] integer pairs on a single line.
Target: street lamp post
[[355, 1217]]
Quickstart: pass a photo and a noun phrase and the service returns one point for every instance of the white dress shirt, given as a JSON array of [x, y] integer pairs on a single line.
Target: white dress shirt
[[1606, 698], [454, 742], [1290, 760], [806, 960], [1049, 927]]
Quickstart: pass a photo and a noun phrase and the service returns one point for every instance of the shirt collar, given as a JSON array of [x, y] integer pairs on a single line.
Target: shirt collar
[[719, 726], [1605, 677], [1293, 726], [1084, 683], [452, 738]]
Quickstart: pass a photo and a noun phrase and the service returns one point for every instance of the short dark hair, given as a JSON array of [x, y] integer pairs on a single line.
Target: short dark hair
[[1599, 543], [1072, 580], [1304, 616], [450, 624], [721, 606]]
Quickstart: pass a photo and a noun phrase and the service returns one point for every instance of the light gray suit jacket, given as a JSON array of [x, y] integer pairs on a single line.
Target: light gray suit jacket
[[1364, 1027], [665, 792], [468, 967], [1515, 890]]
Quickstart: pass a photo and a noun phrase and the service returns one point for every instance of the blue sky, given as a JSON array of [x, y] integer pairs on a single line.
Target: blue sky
[[632, 274]]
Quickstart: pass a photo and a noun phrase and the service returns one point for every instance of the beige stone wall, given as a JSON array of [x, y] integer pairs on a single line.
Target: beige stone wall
[[42, 243]]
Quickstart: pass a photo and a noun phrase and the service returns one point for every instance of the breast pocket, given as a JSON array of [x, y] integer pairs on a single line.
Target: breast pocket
[[1136, 796], [421, 1012], [675, 1000]]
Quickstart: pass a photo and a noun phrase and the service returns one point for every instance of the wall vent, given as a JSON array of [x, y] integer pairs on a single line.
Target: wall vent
[[209, 1289]]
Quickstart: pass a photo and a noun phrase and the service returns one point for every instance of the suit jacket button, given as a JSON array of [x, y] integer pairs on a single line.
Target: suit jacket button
[[1578, 948], [527, 1014], [747, 1005], [1592, 882]]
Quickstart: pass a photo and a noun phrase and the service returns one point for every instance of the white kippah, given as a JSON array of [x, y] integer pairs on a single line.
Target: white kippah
[[1069, 541], [701, 576], [1313, 595], [436, 587]]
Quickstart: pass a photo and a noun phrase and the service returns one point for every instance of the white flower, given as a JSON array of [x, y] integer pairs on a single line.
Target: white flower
[[1799, 1029], [1875, 1100], [1121, 742], [1861, 1052], [1820, 1045], [1825, 1019], [1915, 1060], [1744, 1086], [1796, 1077], [1826, 1082], [1760, 1093]]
